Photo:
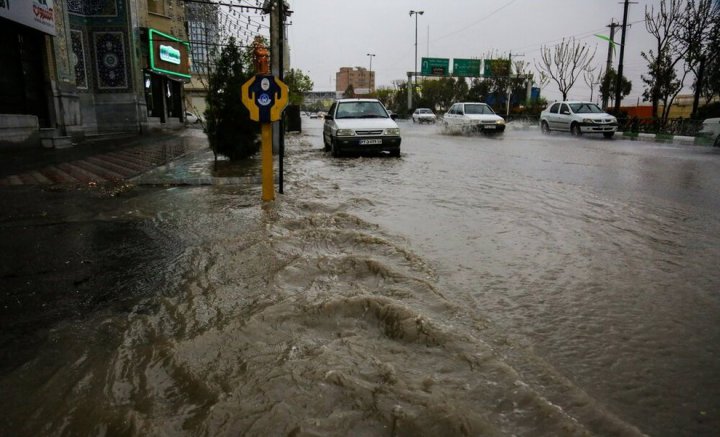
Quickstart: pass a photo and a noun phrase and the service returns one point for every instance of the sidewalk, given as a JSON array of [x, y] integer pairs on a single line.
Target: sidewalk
[[113, 160]]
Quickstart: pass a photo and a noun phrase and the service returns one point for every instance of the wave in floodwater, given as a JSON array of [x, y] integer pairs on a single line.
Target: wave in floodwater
[[299, 319]]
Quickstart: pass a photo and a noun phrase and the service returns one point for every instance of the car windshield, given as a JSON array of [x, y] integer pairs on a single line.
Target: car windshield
[[424, 111], [585, 108], [478, 109], [360, 110]]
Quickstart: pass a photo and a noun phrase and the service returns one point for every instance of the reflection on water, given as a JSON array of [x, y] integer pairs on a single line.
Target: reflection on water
[[427, 295]]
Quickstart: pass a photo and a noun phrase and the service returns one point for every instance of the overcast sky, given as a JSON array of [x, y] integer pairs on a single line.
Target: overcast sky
[[328, 34]]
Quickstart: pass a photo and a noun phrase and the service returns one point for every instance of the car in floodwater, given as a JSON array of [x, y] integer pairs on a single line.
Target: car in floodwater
[[423, 115], [711, 131], [360, 126], [578, 118], [473, 117]]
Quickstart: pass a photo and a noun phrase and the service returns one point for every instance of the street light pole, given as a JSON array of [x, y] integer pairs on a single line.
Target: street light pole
[[416, 13], [371, 55]]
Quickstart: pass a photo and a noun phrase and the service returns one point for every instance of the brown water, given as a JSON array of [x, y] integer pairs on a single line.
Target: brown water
[[475, 286]]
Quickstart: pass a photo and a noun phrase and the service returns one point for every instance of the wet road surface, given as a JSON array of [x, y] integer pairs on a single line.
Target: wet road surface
[[518, 284]]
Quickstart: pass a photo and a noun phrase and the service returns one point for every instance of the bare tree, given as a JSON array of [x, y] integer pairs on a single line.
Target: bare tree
[[591, 80], [699, 26], [662, 82], [565, 62]]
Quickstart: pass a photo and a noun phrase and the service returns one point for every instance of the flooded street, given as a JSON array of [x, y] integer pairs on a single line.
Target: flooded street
[[511, 285]]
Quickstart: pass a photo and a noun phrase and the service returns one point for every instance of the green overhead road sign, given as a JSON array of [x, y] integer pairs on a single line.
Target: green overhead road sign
[[496, 67], [466, 67], [435, 66]]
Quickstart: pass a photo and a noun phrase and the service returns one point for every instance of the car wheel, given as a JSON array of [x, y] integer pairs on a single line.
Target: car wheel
[[575, 130], [326, 146], [544, 127], [608, 134], [395, 152], [334, 148]]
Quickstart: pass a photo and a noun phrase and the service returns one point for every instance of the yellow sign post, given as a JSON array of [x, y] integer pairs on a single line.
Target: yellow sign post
[[265, 96]]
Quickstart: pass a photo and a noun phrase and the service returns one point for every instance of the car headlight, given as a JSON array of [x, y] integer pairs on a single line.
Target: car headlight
[[394, 131], [587, 120], [345, 133], [500, 122], [613, 120]]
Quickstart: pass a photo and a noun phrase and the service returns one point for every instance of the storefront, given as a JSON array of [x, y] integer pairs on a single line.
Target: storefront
[[168, 68], [24, 83]]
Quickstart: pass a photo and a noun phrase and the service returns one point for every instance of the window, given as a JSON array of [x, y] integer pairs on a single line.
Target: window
[[361, 110], [156, 6], [200, 43], [585, 108], [478, 109], [564, 109], [555, 108]]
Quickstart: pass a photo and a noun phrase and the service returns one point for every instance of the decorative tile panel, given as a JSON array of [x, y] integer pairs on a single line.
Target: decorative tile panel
[[110, 60], [93, 8], [78, 59]]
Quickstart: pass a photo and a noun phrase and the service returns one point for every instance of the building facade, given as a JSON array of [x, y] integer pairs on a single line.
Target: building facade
[[362, 80], [79, 68], [204, 36]]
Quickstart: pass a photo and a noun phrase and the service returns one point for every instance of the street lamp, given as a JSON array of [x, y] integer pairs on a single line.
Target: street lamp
[[371, 55], [416, 13]]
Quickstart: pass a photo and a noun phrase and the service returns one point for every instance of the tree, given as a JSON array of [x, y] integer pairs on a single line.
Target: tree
[[441, 93], [479, 90], [698, 30], [298, 83], [565, 62], [386, 96], [608, 83], [230, 131], [661, 82]]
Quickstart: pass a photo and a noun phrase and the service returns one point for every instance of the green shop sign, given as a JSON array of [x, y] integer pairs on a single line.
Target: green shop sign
[[168, 55]]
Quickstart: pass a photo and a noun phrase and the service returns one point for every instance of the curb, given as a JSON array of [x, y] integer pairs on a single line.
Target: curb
[[665, 138]]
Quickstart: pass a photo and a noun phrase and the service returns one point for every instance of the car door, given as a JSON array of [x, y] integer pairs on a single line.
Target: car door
[[328, 124], [450, 115], [551, 116], [564, 117]]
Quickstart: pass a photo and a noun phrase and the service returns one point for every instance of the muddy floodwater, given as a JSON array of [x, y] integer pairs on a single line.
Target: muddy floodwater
[[477, 285]]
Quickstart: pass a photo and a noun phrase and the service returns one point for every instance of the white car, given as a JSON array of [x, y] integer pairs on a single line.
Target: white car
[[191, 118], [360, 126], [711, 130], [578, 118], [423, 115], [473, 116]]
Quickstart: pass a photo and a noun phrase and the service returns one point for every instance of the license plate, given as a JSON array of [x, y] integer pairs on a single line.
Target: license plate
[[489, 126], [374, 141]]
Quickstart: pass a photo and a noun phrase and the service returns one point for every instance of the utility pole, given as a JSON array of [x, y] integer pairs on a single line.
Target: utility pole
[[281, 76], [618, 81], [509, 90], [410, 92], [611, 49]]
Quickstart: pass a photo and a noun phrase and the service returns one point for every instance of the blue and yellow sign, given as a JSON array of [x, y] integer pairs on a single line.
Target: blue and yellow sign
[[266, 97]]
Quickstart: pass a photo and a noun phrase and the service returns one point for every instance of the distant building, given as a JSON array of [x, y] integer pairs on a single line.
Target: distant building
[[204, 37], [362, 80]]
